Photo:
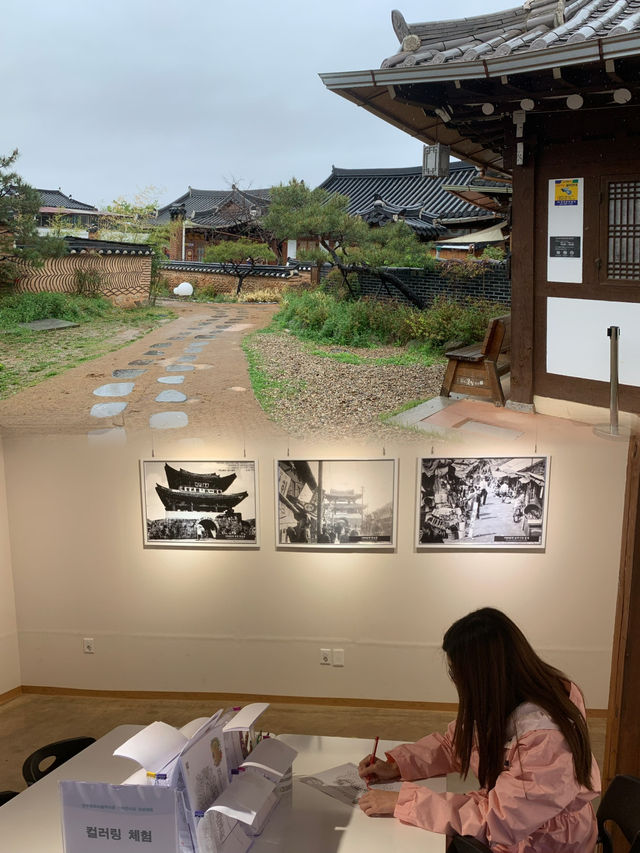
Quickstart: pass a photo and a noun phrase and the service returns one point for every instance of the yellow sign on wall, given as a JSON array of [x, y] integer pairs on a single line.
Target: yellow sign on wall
[[566, 192]]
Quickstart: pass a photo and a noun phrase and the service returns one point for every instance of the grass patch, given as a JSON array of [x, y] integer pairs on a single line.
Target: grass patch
[[268, 391], [320, 317], [28, 357]]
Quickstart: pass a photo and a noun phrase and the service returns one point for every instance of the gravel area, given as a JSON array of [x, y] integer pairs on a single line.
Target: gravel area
[[320, 396]]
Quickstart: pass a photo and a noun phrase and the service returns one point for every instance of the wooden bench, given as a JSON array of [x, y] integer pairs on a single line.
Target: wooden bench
[[477, 369]]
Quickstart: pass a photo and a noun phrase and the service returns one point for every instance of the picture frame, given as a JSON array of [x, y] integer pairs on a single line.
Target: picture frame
[[336, 504], [482, 502], [199, 503]]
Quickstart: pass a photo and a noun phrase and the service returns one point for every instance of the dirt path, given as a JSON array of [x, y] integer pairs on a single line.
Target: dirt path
[[194, 364]]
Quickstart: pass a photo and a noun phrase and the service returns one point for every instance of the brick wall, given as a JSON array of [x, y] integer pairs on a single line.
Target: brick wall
[[492, 283]]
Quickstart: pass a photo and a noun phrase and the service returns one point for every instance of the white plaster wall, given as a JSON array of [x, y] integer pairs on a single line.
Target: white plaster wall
[[254, 621], [9, 659]]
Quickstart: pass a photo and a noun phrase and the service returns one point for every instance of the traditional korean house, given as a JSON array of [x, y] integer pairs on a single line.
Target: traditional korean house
[[546, 95], [68, 211], [209, 216], [418, 198]]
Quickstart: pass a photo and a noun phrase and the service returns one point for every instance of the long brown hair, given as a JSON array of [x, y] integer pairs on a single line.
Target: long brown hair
[[494, 670]]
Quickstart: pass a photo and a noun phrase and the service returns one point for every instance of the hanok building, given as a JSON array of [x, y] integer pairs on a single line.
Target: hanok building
[[68, 211], [429, 204], [209, 216], [545, 94]]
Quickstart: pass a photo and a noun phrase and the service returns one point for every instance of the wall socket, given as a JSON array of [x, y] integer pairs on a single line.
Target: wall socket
[[88, 645], [338, 657], [325, 657]]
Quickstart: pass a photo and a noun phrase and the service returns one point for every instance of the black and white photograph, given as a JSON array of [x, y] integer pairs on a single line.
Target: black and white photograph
[[204, 504], [483, 502], [336, 503]]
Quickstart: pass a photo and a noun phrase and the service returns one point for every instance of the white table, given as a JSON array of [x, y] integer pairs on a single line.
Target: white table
[[308, 820]]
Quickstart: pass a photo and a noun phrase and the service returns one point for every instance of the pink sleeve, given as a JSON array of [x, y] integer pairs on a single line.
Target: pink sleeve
[[539, 784], [431, 756]]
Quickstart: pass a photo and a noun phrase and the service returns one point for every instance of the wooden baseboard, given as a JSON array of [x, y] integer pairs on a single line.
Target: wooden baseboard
[[231, 698], [10, 695]]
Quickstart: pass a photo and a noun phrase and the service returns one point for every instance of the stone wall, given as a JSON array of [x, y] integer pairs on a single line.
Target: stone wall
[[228, 283], [492, 282], [124, 279]]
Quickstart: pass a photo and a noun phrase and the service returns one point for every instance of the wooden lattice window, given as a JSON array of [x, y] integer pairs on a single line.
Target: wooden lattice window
[[623, 235]]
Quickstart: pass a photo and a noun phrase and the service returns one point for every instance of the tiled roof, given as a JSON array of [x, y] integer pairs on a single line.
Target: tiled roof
[[381, 195], [537, 25], [80, 245], [56, 198], [206, 207]]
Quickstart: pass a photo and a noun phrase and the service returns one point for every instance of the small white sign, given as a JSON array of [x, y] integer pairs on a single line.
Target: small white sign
[[102, 818], [565, 228]]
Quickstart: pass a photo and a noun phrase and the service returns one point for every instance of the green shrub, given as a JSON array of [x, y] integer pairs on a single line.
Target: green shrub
[[321, 317], [27, 307]]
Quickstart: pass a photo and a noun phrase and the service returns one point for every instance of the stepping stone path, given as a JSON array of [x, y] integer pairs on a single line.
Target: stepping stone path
[[198, 336]]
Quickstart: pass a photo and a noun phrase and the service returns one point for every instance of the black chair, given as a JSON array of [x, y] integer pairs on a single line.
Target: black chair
[[466, 844], [620, 804], [5, 796], [60, 751]]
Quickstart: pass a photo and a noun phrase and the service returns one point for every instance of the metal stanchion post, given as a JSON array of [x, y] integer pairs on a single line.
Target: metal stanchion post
[[613, 430]]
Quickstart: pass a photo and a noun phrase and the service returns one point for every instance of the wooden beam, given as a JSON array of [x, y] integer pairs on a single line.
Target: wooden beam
[[523, 239], [622, 743]]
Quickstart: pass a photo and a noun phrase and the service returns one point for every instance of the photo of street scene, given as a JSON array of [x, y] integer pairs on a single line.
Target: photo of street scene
[[199, 503], [483, 502], [336, 503]]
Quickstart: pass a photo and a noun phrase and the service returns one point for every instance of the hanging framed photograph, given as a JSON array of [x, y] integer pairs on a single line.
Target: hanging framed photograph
[[336, 503], [487, 502], [199, 504]]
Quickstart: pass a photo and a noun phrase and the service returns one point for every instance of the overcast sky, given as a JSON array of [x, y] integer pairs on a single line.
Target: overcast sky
[[105, 99]]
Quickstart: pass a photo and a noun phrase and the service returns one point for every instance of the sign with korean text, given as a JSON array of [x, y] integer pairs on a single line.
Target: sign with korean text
[[565, 230], [567, 192], [102, 818]]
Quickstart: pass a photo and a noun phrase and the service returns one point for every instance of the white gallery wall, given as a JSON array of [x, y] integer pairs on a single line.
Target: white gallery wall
[[9, 659], [254, 621]]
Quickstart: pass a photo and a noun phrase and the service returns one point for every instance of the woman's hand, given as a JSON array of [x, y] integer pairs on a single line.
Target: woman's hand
[[379, 771], [378, 802]]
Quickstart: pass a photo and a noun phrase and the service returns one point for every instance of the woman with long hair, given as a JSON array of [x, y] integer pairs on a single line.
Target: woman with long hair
[[520, 728]]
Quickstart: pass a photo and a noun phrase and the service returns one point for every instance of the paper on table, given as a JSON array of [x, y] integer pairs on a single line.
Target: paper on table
[[245, 797], [154, 746], [271, 756], [246, 717], [344, 783]]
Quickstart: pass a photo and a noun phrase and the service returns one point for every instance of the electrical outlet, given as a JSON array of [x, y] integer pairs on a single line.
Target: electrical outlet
[[88, 645], [338, 657], [325, 657]]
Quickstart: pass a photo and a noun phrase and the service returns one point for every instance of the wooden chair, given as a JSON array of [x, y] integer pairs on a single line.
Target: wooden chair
[[477, 368]]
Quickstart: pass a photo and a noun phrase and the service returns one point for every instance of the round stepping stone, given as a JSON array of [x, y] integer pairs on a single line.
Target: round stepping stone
[[185, 358], [174, 368], [107, 410], [168, 420], [171, 396], [126, 374], [115, 389], [195, 348], [171, 380], [139, 361], [153, 352], [160, 346]]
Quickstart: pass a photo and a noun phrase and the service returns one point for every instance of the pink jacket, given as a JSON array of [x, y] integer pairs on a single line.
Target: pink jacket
[[536, 806]]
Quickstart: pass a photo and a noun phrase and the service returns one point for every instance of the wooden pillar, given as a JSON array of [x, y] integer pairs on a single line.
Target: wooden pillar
[[622, 743], [523, 284]]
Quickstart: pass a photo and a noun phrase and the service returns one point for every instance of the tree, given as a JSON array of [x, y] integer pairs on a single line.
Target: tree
[[344, 240], [134, 222], [19, 238], [238, 257]]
